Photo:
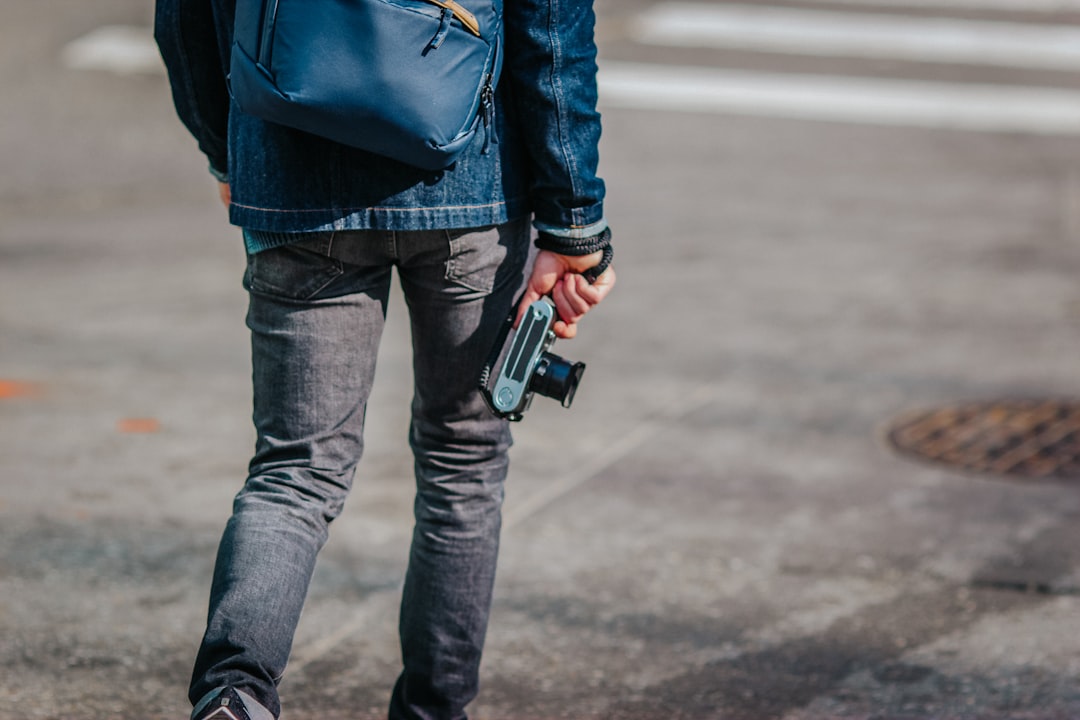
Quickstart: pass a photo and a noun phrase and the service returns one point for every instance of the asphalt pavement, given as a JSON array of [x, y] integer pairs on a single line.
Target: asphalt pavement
[[718, 528]]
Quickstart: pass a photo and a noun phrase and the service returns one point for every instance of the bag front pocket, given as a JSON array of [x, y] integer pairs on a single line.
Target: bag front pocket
[[401, 78]]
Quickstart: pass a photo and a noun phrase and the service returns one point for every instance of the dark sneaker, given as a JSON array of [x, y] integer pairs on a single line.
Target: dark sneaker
[[226, 706]]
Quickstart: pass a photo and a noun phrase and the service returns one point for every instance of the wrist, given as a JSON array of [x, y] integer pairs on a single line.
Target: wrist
[[576, 263], [590, 266]]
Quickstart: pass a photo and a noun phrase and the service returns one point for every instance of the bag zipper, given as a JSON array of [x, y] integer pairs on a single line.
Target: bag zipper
[[487, 102], [267, 33], [467, 19]]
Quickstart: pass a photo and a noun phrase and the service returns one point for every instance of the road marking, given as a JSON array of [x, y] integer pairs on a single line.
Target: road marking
[[114, 48], [992, 108], [1037, 6], [631, 441], [649, 428], [839, 34], [127, 50], [374, 609]]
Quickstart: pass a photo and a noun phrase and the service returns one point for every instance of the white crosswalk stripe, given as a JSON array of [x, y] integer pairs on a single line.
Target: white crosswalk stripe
[[788, 31], [853, 36], [844, 99], [841, 34], [120, 49], [1027, 6]]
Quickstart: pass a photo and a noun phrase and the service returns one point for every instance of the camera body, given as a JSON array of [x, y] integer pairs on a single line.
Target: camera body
[[529, 368]]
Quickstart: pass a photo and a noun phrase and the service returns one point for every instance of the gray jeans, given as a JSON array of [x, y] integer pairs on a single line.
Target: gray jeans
[[316, 314]]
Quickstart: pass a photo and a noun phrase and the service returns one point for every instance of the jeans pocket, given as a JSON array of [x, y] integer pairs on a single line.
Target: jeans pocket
[[477, 254], [298, 271]]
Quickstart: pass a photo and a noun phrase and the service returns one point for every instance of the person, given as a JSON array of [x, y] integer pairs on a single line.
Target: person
[[323, 225]]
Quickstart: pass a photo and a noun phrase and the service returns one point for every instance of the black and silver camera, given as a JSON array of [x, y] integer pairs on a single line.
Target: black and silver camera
[[529, 368]]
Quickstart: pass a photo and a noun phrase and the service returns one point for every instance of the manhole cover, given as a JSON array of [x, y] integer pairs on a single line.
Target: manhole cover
[[1025, 438]]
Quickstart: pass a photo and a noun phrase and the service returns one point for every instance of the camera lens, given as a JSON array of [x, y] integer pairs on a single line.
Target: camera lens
[[557, 378]]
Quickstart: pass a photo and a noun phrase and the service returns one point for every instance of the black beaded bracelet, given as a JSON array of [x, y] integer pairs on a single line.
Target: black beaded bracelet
[[574, 246], [593, 274]]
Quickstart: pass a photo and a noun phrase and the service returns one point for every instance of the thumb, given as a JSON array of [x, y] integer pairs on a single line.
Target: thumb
[[531, 295]]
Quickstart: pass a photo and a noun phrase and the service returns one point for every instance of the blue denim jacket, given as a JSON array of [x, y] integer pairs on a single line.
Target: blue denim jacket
[[540, 155]]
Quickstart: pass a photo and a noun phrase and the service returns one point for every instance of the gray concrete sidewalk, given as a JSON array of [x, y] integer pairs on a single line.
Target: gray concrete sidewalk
[[715, 530]]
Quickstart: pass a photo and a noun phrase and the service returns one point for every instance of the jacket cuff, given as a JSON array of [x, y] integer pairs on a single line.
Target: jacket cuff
[[576, 232], [221, 175]]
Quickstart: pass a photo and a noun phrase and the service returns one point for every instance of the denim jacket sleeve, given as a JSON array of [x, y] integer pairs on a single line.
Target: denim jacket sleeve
[[194, 38], [550, 63]]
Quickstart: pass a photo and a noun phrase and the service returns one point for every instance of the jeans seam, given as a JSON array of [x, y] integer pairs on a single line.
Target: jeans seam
[[448, 273]]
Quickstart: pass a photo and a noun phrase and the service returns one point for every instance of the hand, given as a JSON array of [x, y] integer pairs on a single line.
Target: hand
[[559, 276], [225, 193]]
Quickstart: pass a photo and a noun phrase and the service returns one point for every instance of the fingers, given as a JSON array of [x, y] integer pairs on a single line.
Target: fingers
[[571, 293], [570, 301], [605, 282], [545, 273], [560, 327], [530, 296], [569, 308], [574, 296], [564, 330]]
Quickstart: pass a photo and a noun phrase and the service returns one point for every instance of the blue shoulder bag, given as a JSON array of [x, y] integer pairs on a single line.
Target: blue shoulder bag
[[408, 79]]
